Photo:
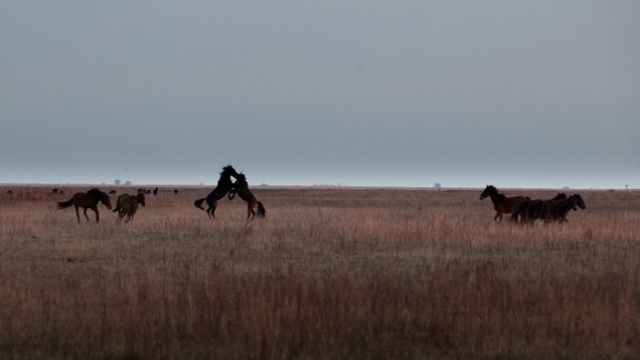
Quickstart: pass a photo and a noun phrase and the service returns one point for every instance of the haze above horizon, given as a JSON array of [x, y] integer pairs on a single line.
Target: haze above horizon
[[359, 93]]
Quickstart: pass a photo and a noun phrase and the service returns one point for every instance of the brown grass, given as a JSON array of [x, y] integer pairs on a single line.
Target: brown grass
[[329, 274]]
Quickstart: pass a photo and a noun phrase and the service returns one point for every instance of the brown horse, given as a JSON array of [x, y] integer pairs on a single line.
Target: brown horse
[[155, 191], [501, 203], [128, 205], [224, 186], [531, 210], [558, 210], [88, 200], [241, 187]]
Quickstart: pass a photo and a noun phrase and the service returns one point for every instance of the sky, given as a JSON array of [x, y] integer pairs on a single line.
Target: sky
[[354, 93]]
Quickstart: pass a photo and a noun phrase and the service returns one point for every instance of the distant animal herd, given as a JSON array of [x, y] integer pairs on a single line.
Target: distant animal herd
[[523, 209]]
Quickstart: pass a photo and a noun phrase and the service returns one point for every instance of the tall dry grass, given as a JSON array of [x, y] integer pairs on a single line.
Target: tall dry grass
[[331, 273]]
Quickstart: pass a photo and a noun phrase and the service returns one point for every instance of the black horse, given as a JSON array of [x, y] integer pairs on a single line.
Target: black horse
[[224, 186], [531, 210], [558, 210], [88, 200]]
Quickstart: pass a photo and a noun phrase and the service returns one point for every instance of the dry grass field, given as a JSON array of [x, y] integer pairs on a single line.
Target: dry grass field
[[329, 274]]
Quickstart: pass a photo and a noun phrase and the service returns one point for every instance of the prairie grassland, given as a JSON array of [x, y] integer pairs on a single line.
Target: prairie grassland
[[331, 273]]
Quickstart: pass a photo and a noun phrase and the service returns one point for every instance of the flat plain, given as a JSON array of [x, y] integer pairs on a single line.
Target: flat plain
[[331, 273]]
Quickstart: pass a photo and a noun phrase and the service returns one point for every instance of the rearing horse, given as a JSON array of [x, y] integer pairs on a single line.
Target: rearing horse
[[88, 200], [501, 203], [224, 186], [241, 187]]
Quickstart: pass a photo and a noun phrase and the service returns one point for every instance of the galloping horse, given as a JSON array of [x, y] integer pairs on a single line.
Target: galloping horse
[[501, 203], [531, 210], [241, 187], [224, 186], [558, 210], [128, 205], [88, 200]]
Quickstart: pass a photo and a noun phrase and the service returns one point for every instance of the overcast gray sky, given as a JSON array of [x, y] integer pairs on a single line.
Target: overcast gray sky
[[374, 93]]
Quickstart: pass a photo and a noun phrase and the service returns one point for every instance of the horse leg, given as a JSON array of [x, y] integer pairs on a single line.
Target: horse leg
[[212, 207], [95, 209], [77, 214], [250, 212], [498, 214], [85, 214]]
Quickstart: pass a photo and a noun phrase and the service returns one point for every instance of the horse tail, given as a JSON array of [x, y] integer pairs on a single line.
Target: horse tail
[[65, 204], [262, 212], [198, 203], [118, 207]]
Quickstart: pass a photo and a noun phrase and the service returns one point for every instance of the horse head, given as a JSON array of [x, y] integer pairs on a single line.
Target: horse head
[[140, 199], [107, 202], [100, 196], [487, 191], [576, 201]]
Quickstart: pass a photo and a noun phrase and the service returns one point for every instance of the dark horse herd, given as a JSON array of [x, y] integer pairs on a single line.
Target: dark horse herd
[[127, 205], [522, 208], [525, 210]]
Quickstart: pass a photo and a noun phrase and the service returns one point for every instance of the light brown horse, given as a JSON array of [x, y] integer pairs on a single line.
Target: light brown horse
[[88, 200], [501, 203], [127, 205], [558, 210], [241, 187]]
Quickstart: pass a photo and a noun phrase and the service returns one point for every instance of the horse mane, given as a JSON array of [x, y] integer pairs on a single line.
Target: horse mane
[[241, 179], [229, 170], [225, 175], [97, 194], [560, 196]]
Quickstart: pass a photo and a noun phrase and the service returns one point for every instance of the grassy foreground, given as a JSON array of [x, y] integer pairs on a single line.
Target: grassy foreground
[[330, 274]]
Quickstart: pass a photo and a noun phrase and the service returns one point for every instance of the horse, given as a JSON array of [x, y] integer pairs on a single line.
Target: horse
[[128, 205], [88, 200], [175, 191], [112, 192], [241, 187], [155, 191], [54, 191], [224, 186], [531, 210], [558, 210], [501, 203]]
